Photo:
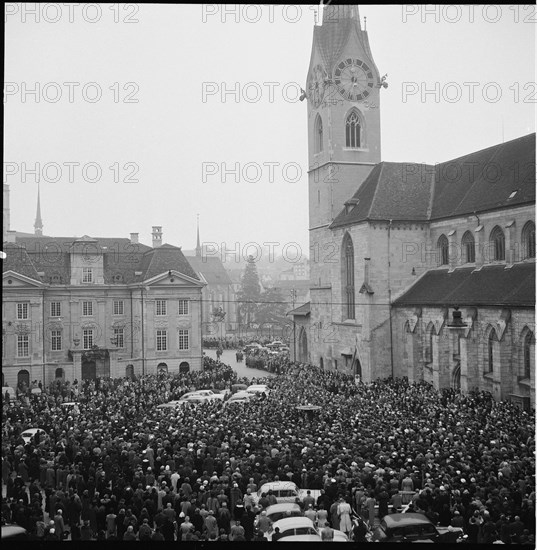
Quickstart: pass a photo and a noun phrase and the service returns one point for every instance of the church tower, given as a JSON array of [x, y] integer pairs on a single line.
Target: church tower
[[343, 86], [343, 91]]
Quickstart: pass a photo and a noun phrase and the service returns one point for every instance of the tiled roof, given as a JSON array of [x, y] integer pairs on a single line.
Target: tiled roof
[[166, 257], [484, 180], [121, 259], [17, 260], [493, 285], [211, 268], [481, 181], [304, 309]]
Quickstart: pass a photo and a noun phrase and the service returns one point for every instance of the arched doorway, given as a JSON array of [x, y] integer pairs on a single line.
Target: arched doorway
[[59, 373], [357, 367], [89, 370], [184, 367], [162, 368], [303, 346], [456, 378], [23, 378], [129, 372]]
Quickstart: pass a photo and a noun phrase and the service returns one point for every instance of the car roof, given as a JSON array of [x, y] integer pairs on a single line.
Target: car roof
[[276, 485], [12, 530], [292, 523], [300, 538], [282, 507], [400, 520]]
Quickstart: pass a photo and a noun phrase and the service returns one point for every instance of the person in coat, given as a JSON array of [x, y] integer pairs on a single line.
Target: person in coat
[[344, 516]]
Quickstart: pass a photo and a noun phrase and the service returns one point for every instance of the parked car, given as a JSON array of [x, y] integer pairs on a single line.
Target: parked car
[[12, 531], [258, 388], [301, 529], [284, 491], [27, 435], [202, 395], [412, 527], [241, 397], [283, 510], [238, 387]]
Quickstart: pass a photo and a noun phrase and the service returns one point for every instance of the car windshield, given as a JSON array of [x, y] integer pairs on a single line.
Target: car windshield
[[286, 493]]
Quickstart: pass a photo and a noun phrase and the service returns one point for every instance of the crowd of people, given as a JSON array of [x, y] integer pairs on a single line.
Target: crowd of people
[[120, 468], [234, 342]]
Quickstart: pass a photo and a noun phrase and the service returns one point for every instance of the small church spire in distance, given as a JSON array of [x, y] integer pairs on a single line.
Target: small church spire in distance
[[198, 246], [38, 225]]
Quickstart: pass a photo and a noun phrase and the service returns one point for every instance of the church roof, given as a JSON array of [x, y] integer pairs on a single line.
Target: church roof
[[124, 262], [211, 268], [496, 177], [493, 285]]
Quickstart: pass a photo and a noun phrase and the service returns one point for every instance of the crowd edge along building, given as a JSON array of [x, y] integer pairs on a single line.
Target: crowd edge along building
[[97, 307], [396, 247]]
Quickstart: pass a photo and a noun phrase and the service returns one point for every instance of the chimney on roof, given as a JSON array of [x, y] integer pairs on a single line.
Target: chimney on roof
[[157, 236], [134, 238], [11, 236]]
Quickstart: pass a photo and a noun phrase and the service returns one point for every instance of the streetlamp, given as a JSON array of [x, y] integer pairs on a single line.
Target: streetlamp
[[457, 322]]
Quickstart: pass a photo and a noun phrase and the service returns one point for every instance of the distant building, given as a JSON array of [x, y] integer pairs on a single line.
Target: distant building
[[217, 294], [97, 307]]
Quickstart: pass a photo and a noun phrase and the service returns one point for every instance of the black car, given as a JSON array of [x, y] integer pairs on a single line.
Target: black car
[[412, 528]]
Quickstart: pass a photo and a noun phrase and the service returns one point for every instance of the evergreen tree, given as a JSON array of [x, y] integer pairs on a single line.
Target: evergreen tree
[[250, 292], [272, 308]]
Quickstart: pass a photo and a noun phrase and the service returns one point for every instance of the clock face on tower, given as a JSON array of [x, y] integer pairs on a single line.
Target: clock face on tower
[[316, 85], [354, 79]]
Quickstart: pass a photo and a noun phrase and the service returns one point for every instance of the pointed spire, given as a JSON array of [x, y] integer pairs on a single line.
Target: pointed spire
[[38, 225], [198, 246], [338, 12]]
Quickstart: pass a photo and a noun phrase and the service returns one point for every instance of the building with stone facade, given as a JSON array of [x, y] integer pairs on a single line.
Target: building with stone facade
[[97, 307], [396, 247]]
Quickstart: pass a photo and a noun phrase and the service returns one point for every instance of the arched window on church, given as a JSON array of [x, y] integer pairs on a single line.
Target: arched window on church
[[490, 356], [353, 130], [497, 244], [528, 340], [348, 277], [442, 247], [318, 134], [528, 240], [468, 248]]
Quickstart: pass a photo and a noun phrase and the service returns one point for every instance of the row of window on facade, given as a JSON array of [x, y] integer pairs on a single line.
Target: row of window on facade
[[490, 358], [354, 138], [88, 340], [496, 245], [118, 308]]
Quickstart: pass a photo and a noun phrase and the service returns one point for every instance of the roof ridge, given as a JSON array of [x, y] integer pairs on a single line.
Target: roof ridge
[[381, 164]]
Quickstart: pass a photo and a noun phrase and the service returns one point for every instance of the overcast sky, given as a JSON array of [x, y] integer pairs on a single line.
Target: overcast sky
[[152, 153]]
